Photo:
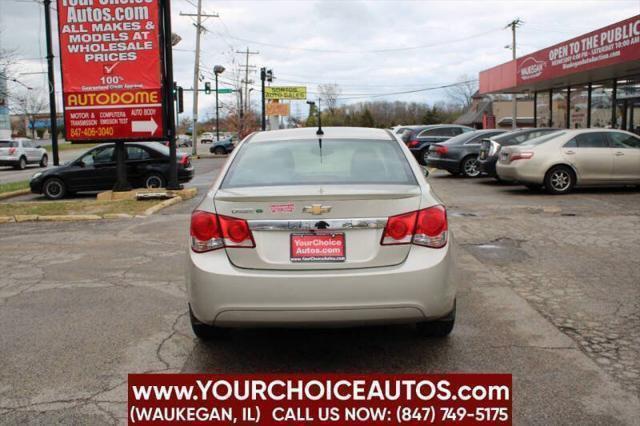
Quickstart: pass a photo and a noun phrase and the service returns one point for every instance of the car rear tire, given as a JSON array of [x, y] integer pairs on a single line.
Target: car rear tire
[[205, 331], [44, 161], [469, 167], [219, 150], [559, 180], [154, 180], [54, 189], [22, 163], [439, 328]]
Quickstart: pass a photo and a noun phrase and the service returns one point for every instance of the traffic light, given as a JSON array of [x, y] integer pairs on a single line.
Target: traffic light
[[180, 100], [269, 75], [207, 88]]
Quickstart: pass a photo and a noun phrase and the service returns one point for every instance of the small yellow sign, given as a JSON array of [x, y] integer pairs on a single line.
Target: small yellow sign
[[274, 108], [286, 92]]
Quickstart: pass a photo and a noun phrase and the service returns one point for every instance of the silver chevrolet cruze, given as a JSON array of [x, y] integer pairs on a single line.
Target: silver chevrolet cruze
[[333, 229]]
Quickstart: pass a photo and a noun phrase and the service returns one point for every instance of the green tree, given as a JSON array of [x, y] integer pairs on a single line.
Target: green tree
[[366, 119]]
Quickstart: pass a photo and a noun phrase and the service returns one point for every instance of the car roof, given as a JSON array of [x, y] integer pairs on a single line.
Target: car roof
[[329, 133]]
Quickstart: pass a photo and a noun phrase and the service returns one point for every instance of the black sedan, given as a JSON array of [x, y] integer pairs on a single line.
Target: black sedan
[[95, 170], [419, 138], [459, 154], [490, 147]]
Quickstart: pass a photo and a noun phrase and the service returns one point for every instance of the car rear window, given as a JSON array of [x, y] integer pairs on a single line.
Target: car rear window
[[8, 144], [304, 162]]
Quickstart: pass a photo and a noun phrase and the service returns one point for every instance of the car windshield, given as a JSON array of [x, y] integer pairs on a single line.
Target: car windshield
[[303, 162], [8, 144], [542, 139]]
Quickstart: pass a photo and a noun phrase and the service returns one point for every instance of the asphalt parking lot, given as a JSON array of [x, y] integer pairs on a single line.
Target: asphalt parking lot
[[549, 291]]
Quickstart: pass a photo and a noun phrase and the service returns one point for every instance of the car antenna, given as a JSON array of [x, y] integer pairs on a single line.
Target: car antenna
[[319, 132]]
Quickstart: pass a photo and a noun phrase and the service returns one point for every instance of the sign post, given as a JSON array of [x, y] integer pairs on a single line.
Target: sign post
[[113, 75]]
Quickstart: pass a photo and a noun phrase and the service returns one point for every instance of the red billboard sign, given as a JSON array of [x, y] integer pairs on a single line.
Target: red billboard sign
[[616, 43], [110, 55]]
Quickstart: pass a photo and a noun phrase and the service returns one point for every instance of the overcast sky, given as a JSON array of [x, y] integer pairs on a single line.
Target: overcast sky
[[312, 42]]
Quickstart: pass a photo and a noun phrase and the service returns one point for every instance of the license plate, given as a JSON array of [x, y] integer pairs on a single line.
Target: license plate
[[318, 247]]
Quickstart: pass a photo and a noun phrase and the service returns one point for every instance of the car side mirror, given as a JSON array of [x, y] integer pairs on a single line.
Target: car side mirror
[[425, 172], [80, 163], [39, 146]]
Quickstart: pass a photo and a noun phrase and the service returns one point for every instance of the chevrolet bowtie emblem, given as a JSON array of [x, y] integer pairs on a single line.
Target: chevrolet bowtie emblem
[[316, 209]]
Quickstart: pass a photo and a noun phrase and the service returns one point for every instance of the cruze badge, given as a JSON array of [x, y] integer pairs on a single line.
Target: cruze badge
[[316, 209]]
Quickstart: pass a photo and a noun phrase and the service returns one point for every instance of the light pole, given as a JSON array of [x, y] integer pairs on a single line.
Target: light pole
[[218, 69], [249, 99]]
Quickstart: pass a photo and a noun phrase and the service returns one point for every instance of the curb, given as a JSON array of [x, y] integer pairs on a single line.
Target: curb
[[6, 195], [90, 217], [162, 205]]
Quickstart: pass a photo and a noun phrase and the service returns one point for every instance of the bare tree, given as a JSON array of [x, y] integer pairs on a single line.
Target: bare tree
[[29, 105], [460, 94], [329, 93]]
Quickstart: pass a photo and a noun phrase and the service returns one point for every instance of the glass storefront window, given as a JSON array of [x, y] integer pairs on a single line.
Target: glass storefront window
[[628, 88], [628, 104], [542, 109], [559, 108], [579, 102], [601, 99]]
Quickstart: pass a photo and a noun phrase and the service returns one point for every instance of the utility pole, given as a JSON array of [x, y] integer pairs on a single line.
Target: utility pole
[[514, 102], [196, 71], [246, 73], [52, 88], [263, 77]]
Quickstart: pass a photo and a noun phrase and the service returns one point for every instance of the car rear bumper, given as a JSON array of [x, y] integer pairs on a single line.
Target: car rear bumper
[[421, 288], [519, 173], [185, 175], [488, 166], [444, 164], [9, 161]]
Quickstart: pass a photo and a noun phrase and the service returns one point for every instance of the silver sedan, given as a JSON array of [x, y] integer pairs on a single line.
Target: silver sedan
[[337, 229], [566, 159]]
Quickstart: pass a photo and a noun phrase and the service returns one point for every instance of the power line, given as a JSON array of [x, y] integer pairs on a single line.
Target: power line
[[350, 52]]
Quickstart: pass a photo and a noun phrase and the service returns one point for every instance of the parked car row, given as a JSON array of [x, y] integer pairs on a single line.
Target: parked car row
[[557, 160]]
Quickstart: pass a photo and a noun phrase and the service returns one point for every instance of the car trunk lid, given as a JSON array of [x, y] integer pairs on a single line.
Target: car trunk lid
[[285, 218]]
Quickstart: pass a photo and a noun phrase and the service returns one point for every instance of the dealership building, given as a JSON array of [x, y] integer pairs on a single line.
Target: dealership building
[[589, 81]]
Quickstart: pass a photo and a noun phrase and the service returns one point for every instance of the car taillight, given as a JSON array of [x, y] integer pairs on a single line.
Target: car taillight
[[211, 232], [12, 151], [413, 143], [442, 150], [431, 227], [184, 160], [427, 227], [524, 155]]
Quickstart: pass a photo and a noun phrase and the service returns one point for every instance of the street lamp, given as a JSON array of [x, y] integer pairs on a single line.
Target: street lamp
[[218, 69], [249, 97]]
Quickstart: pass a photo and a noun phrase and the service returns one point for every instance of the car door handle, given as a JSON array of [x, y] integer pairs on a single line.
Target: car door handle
[[569, 152], [619, 154]]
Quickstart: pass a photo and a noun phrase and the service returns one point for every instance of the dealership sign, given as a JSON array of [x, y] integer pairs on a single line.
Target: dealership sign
[[110, 55], [274, 108], [286, 92], [610, 45]]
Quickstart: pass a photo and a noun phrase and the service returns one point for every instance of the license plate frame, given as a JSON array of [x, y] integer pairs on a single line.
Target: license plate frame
[[341, 257]]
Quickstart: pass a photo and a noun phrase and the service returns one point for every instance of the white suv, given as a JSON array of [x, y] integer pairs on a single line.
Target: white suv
[[20, 152]]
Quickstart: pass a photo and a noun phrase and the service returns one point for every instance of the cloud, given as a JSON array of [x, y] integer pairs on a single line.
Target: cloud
[[277, 28]]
